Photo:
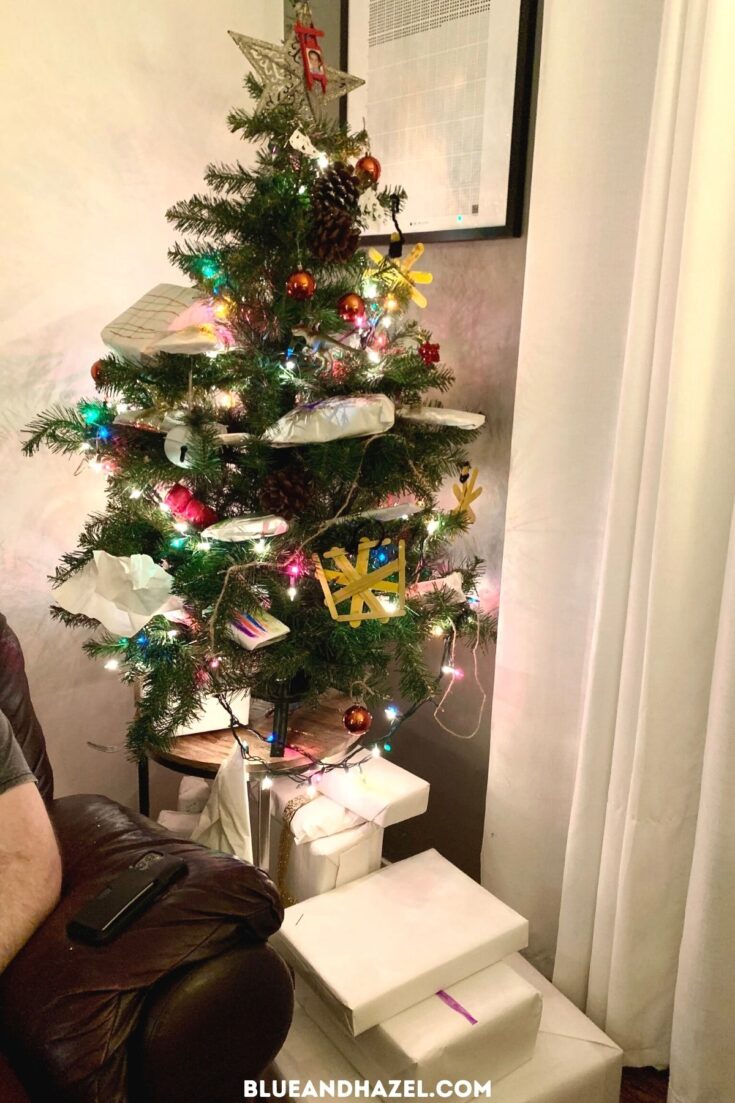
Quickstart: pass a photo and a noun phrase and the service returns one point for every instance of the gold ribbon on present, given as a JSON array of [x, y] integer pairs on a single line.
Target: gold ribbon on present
[[285, 847]]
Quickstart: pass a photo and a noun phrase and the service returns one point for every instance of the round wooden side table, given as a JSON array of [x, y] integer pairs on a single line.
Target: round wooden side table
[[314, 732]]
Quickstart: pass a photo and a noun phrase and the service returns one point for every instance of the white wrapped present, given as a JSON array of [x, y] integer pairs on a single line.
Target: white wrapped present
[[573, 1062], [379, 791], [182, 824], [480, 1029], [214, 717], [313, 868], [309, 817], [360, 415], [427, 924], [168, 318]]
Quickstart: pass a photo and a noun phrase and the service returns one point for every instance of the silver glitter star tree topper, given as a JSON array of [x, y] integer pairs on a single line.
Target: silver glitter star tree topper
[[295, 72]]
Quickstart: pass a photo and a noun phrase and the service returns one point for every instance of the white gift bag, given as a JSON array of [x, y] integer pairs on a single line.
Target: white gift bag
[[225, 822]]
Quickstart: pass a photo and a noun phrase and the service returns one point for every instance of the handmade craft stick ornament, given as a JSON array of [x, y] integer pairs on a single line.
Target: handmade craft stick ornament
[[359, 584]]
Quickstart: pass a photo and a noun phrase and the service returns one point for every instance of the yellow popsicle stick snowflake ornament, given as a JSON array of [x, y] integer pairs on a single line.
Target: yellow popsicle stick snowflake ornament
[[466, 491], [399, 273], [359, 585]]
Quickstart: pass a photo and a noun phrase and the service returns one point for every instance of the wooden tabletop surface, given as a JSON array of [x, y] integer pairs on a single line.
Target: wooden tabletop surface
[[318, 731]]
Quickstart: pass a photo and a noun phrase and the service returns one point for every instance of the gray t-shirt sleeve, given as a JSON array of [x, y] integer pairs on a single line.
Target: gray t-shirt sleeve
[[13, 766]]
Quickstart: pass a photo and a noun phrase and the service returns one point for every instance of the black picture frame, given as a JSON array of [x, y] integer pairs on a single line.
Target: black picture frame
[[528, 27]]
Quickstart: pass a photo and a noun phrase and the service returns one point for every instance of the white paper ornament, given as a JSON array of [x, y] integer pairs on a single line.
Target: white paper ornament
[[253, 631], [168, 318], [437, 415], [361, 415], [303, 143], [237, 529], [121, 592]]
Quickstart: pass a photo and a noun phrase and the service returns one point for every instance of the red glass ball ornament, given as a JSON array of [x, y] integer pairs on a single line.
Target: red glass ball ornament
[[351, 308], [370, 167], [96, 370], [300, 285], [357, 719]]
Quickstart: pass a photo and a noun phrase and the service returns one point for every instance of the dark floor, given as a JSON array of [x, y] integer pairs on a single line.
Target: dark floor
[[644, 1086]]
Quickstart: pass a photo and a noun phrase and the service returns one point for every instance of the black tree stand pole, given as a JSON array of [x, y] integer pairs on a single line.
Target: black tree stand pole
[[280, 721]]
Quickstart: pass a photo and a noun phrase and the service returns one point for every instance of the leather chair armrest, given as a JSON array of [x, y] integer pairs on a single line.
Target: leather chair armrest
[[206, 1029], [68, 1011]]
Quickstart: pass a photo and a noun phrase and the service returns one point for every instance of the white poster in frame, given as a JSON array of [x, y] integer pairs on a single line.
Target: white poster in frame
[[446, 103]]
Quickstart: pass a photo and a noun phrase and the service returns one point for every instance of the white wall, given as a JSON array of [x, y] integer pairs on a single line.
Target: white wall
[[108, 113]]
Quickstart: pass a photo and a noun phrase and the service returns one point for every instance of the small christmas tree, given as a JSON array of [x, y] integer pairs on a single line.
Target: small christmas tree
[[272, 463]]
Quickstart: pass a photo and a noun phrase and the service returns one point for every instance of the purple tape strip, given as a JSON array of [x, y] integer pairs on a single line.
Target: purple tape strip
[[450, 1002]]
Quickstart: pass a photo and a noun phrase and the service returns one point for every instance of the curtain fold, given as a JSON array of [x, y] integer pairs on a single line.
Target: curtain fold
[[646, 891]]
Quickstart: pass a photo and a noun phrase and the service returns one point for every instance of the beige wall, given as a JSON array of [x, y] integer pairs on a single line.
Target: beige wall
[[108, 113]]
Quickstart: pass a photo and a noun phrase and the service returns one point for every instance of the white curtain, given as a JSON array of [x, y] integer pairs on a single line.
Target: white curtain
[[611, 810]]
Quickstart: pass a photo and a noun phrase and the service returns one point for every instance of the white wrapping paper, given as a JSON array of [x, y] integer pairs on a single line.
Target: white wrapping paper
[[427, 924], [121, 592], [434, 1041], [225, 822], [168, 318], [193, 794], [334, 418], [326, 863], [573, 1062], [437, 415], [250, 527], [380, 792], [315, 819], [213, 717], [182, 824]]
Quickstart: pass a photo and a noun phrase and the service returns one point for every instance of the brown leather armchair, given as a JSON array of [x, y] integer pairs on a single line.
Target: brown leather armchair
[[186, 1004]]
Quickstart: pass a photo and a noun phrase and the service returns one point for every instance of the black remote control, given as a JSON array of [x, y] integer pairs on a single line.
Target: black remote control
[[124, 899]]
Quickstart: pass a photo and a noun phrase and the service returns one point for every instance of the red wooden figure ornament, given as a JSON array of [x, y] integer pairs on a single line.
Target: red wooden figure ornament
[[315, 71]]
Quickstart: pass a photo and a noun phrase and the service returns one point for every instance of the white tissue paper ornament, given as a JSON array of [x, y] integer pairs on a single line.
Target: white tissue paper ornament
[[250, 527], [168, 318], [121, 592], [437, 415], [360, 415]]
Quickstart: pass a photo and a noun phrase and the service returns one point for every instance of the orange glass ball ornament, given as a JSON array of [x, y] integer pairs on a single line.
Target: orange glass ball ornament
[[300, 285], [370, 167], [357, 719], [96, 370], [351, 307]]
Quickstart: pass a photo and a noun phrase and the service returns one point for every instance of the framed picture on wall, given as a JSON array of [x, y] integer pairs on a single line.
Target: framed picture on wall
[[446, 103]]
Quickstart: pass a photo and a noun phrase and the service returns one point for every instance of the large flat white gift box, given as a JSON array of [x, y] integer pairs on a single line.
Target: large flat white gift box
[[480, 1029], [423, 924], [574, 1062], [380, 791]]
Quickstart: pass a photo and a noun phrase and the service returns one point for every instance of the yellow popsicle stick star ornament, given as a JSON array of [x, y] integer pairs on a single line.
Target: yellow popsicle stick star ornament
[[466, 491], [396, 273], [357, 583]]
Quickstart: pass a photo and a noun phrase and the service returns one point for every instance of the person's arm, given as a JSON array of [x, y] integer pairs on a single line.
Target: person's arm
[[30, 866]]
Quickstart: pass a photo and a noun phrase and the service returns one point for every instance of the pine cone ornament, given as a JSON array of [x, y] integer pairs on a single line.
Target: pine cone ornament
[[336, 189], [286, 493], [334, 204]]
